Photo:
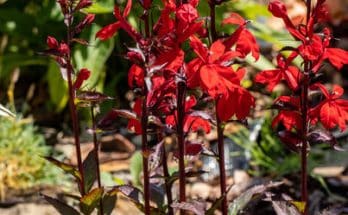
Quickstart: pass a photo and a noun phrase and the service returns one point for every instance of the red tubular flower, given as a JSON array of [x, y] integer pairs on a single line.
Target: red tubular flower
[[289, 114], [136, 76], [333, 111], [111, 29], [284, 71], [83, 4], [81, 77], [85, 22], [63, 48], [52, 42], [245, 42], [192, 121], [212, 71]]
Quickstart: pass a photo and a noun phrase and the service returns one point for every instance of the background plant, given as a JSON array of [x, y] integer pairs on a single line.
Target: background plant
[[21, 165]]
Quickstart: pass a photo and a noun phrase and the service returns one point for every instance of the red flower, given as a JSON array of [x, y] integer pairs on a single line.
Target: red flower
[[192, 122], [288, 115], [110, 30], [314, 47], [245, 42], [212, 71], [81, 77], [333, 111], [284, 71], [52, 42], [136, 76]]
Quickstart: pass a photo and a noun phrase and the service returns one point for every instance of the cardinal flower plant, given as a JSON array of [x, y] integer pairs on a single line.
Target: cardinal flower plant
[[303, 120], [179, 64]]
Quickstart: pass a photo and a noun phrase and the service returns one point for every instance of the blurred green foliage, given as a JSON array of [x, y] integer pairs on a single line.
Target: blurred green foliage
[[268, 155], [24, 27], [21, 162]]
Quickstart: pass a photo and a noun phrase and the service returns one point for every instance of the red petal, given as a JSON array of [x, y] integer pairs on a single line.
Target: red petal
[[211, 81], [108, 31], [234, 19], [217, 49], [186, 13], [247, 44], [337, 57], [81, 77], [192, 73], [337, 91], [195, 123], [269, 77], [292, 76], [127, 9], [199, 48], [290, 120], [136, 76]]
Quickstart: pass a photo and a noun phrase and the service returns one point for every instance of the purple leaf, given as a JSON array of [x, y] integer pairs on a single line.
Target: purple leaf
[[320, 136], [197, 207]]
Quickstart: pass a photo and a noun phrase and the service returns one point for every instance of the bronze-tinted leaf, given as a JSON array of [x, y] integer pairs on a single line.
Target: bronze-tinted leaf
[[89, 169], [60, 206], [70, 169], [90, 201]]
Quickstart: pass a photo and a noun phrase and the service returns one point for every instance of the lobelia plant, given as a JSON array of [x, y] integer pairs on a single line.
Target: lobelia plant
[[301, 119], [160, 76], [87, 171]]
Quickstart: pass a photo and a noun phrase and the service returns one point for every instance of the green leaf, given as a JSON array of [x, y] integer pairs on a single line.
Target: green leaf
[[70, 169], [93, 57], [136, 166], [109, 202], [90, 201], [89, 170], [61, 207], [99, 8], [262, 63], [5, 112], [57, 87]]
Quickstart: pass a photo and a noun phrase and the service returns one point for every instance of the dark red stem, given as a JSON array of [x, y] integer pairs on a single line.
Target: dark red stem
[[220, 131], [166, 175], [213, 32], [73, 111], [181, 139], [144, 122], [221, 150], [304, 110], [96, 148], [144, 147], [304, 99]]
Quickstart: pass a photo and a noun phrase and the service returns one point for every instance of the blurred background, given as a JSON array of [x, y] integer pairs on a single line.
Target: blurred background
[[31, 86]]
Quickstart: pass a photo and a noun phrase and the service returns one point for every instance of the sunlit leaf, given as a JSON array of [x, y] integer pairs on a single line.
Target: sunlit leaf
[[70, 169], [5, 112], [90, 201]]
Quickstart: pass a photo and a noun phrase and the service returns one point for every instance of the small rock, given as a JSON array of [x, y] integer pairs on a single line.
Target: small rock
[[200, 190]]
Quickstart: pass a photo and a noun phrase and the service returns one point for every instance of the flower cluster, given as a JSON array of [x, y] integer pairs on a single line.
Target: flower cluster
[[314, 48]]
